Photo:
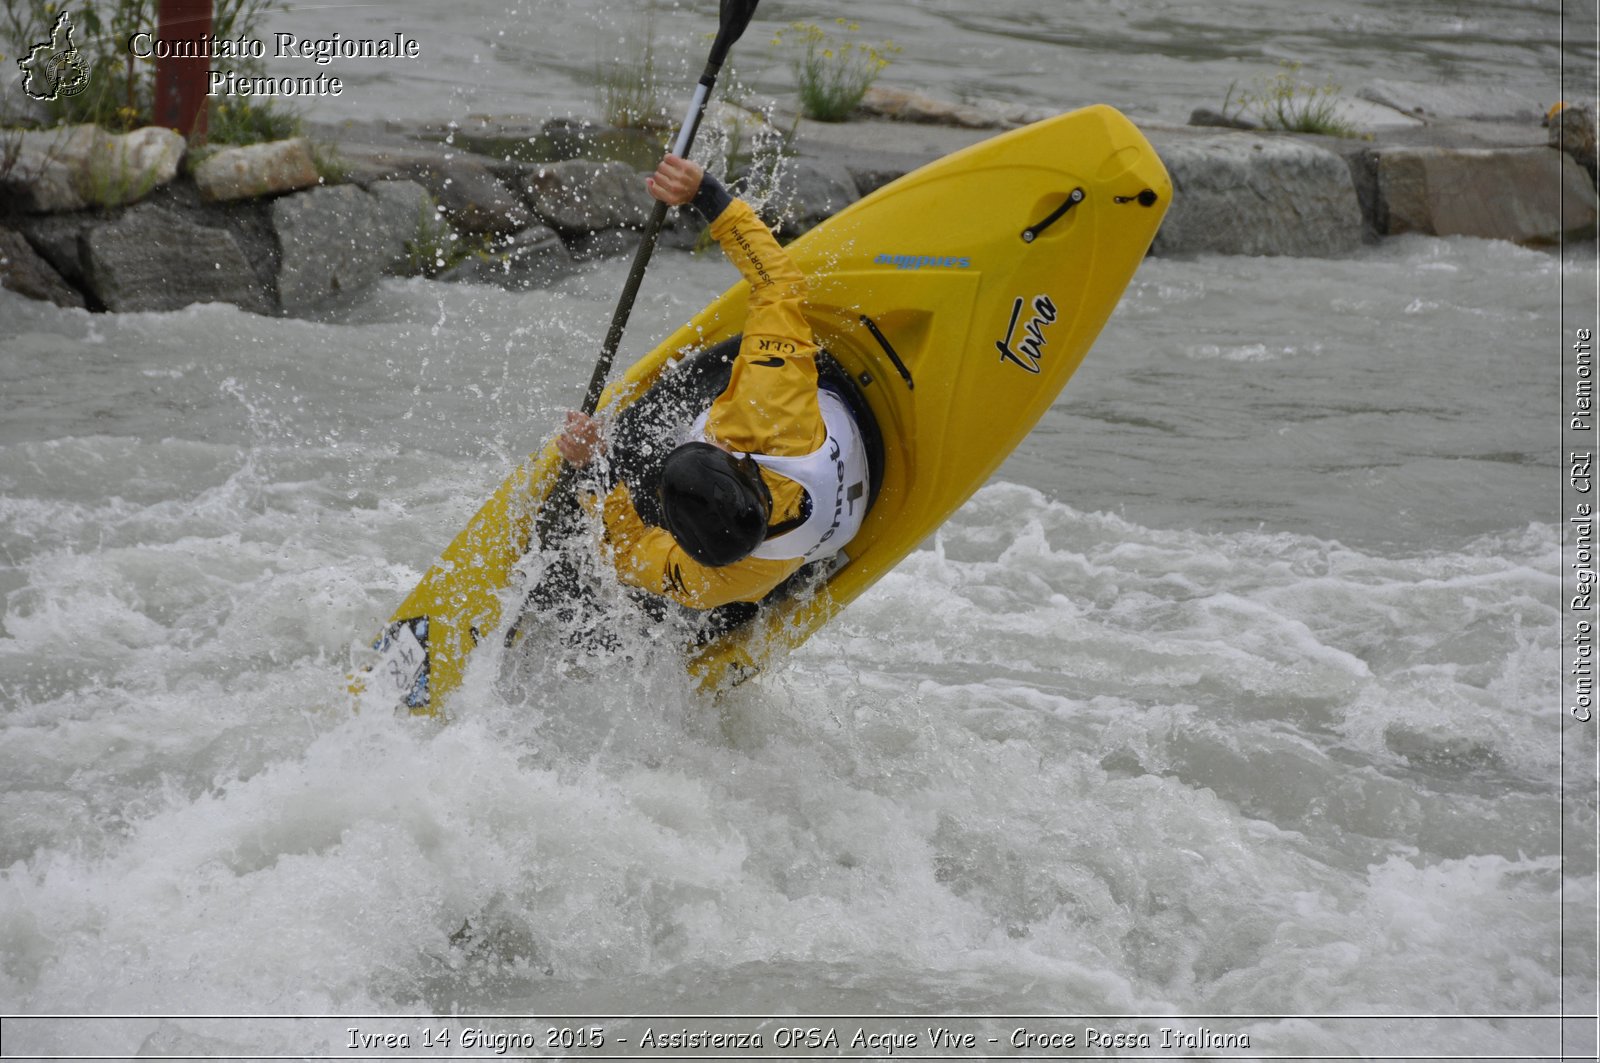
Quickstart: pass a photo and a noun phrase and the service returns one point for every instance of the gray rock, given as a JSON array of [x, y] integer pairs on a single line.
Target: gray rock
[[474, 198], [1438, 100], [1242, 194], [403, 208], [57, 238], [1205, 116], [257, 170], [607, 243], [526, 138], [154, 259], [807, 193], [532, 258], [335, 242], [1526, 195], [1572, 131], [23, 271], [904, 105], [581, 196], [76, 167], [514, 136], [868, 179]]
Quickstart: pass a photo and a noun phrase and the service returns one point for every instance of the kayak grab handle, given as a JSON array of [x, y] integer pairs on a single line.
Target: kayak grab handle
[[883, 341], [1032, 232]]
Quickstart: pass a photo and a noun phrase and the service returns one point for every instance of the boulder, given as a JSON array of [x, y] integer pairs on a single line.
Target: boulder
[[532, 258], [1205, 116], [154, 259], [403, 208], [604, 243], [1572, 131], [574, 138], [81, 166], [1243, 194], [257, 170], [58, 240], [903, 105], [1526, 195], [806, 193], [24, 272], [336, 241], [1438, 99], [474, 198], [581, 196], [45, 175]]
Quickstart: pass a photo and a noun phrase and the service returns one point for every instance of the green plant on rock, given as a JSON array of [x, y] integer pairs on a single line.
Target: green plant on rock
[[112, 178], [1285, 102], [437, 246], [832, 73], [332, 169], [242, 120], [629, 85]]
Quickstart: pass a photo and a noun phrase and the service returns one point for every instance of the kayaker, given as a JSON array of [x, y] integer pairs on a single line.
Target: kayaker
[[773, 474]]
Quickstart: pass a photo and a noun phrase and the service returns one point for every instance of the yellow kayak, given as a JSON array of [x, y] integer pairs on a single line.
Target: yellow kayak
[[959, 299]]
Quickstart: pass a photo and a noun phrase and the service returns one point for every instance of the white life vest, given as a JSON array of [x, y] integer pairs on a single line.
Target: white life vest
[[835, 478]]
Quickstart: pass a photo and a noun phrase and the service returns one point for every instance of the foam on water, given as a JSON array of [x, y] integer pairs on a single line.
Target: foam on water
[[1062, 759]]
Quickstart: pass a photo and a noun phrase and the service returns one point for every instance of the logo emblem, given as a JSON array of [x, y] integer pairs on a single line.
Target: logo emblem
[[1030, 348], [54, 69]]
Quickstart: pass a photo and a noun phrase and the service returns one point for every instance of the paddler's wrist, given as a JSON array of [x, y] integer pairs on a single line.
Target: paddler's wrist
[[711, 199]]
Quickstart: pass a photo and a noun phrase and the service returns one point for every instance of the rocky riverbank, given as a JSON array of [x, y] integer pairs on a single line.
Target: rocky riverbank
[[134, 222]]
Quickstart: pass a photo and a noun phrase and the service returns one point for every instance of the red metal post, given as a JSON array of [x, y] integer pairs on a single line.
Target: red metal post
[[181, 82]]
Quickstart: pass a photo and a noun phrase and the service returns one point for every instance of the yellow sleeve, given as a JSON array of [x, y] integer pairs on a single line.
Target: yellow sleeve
[[770, 403], [649, 558]]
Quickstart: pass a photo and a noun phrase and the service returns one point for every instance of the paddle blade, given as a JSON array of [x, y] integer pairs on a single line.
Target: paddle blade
[[732, 20]]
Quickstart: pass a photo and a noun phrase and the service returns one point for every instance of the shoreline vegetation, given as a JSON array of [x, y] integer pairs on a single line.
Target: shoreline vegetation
[[102, 210]]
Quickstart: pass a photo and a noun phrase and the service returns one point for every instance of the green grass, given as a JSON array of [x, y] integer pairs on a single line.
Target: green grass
[[1284, 102], [240, 121], [629, 84], [437, 246], [831, 73]]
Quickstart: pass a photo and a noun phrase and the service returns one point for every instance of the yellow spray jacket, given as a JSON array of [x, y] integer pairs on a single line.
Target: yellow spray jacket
[[769, 407]]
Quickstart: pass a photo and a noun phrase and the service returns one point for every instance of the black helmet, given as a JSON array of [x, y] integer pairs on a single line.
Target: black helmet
[[714, 504]]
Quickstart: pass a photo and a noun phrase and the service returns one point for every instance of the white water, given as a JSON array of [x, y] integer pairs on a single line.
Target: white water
[[1236, 692]]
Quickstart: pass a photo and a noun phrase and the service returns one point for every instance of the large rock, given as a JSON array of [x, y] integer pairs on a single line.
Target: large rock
[[1437, 99], [904, 105], [154, 259], [1242, 194], [58, 239], [475, 200], [257, 170], [569, 138], [582, 196], [403, 208], [1572, 131], [807, 192], [76, 167], [1526, 195], [24, 272], [530, 259], [337, 241]]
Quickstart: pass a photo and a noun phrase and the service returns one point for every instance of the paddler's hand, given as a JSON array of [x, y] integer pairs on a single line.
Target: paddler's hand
[[675, 181], [580, 441]]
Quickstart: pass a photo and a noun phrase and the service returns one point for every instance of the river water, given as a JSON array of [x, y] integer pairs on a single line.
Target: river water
[[1236, 693]]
